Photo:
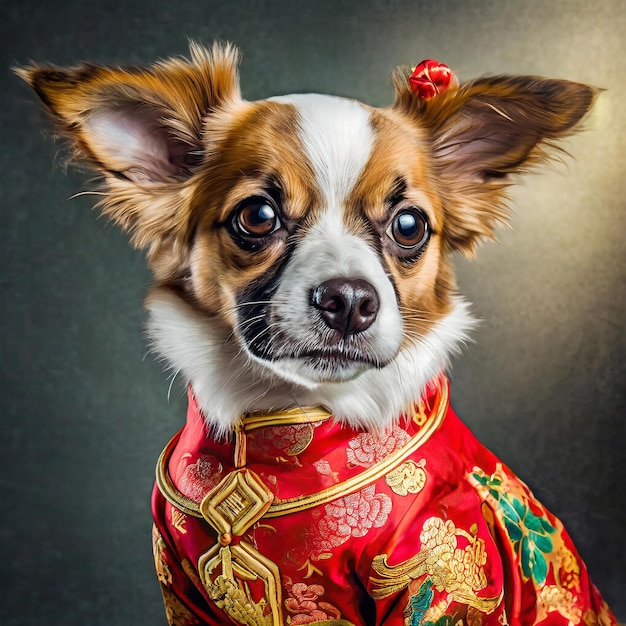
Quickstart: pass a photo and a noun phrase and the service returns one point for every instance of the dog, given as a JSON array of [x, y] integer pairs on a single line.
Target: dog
[[301, 248]]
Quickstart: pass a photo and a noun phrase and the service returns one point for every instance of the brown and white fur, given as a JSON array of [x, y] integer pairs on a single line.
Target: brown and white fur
[[327, 301]]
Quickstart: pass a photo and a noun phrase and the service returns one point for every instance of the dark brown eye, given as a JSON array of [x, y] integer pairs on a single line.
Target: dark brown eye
[[409, 228], [256, 217]]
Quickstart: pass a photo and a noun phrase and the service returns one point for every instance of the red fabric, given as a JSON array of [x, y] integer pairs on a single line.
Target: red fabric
[[430, 78], [449, 535]]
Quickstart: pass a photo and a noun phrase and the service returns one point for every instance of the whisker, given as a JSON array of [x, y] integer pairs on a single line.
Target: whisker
[[169, 389], [251, 303], [247, 324], [264, 330], [87, 193]]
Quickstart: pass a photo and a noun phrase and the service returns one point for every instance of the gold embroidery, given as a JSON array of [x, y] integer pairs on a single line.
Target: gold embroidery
[[301, 503], [310, 569], [300, 415], [457, 571], [176, 611], [224, 572], [569, 574], [179, 520], [166, 486], [369, 475], [410, 477], [603, 618], [236, 503], [552, 598], [231, 508], [285, 442], [160, 564], [420, 417], [241, 499]]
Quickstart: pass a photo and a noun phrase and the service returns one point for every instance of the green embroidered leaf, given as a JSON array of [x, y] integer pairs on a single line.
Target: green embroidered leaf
[[547, 527], [495, 481], [532, 522], [420, 603], [481, 478], [514, 532], [525, 558], [539, 567], [543, 543], [520, 508], [510, 511]]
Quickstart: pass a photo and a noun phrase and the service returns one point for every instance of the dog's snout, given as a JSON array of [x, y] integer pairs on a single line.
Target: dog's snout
[[348, 306]]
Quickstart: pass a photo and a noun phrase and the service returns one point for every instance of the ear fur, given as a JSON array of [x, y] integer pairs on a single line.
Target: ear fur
[[142, 128], [483, 132]]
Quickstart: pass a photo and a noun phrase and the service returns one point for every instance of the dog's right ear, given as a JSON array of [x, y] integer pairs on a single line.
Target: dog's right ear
[[141, 128], [485, 132]]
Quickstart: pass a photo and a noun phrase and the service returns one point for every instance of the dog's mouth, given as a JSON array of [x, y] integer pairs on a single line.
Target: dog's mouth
[[328, 361], [317, 356], [337, 357], [326, 364]]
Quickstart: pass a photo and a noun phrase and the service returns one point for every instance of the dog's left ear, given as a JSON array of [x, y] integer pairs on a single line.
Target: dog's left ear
[[483, 132], [142, 129]]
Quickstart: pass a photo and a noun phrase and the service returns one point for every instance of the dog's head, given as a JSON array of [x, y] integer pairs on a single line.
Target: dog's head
[[301, 245]]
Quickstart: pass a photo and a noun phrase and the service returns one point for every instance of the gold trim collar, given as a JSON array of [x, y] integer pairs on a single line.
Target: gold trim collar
[[279, 507]]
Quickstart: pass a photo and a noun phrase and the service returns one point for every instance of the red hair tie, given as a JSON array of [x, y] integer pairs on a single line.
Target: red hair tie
[[430, 78]]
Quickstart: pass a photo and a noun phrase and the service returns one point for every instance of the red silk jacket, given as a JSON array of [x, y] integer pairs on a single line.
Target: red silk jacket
[[299, 520]]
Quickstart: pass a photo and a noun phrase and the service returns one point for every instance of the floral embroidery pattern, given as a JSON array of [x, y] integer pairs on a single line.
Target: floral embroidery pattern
[[158, 549], [237, 604], [569, 572], [452, 568], [198, 478], [323, 468], [458, 571], [304, 608], [176, 612], [602, 618], [288, 440], [410, 477], [529, 533], [553, 598], [367, 449], [352, 516]]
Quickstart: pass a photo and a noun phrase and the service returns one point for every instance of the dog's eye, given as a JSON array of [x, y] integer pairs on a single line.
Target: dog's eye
[[409, 228], [256, 217]]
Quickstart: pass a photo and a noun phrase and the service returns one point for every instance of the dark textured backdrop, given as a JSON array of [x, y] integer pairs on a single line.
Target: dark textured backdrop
[[85, 414]]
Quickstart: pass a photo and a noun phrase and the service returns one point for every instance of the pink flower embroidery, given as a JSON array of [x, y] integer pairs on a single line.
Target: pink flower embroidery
[[200, 477], [352, 516], [366, 449], [304, 608]]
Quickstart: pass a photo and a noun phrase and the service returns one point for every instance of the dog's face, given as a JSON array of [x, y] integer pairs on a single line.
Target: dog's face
[[301, 245], [329, 224]]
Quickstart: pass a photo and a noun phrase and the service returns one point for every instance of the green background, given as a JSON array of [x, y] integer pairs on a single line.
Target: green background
[[85, 411]]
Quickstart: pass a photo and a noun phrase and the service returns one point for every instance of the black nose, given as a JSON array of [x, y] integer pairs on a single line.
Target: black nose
[[349, 306]]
